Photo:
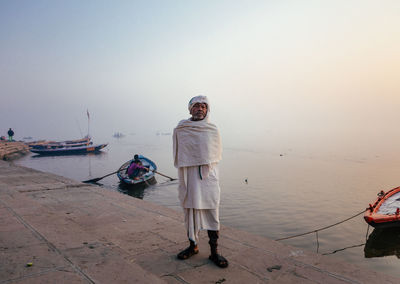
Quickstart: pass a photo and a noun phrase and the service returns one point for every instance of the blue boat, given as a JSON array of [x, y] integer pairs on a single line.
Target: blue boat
[[145, 178], [68, 150]]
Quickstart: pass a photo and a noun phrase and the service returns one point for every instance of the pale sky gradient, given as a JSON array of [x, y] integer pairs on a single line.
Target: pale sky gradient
[[278, 73]]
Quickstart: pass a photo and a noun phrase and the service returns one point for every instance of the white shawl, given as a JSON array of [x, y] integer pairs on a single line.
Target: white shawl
[[196, 143]]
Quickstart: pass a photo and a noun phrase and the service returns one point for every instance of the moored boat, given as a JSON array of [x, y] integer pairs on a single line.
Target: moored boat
[[385, 211], [60, 145], [86, 139], [144, 178], [69, 149], [118, 135], [49, 144]]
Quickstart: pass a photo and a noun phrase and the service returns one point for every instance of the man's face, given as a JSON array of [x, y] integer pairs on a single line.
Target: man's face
[[198, 111]]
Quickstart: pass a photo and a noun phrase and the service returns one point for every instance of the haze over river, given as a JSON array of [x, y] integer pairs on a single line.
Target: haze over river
[[289, 190], [305, 94]]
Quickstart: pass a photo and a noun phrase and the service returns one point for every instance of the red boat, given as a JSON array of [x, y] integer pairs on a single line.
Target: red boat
[[385, 212]]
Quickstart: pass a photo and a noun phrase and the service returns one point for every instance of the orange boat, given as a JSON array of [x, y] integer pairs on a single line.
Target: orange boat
[[385, 212]]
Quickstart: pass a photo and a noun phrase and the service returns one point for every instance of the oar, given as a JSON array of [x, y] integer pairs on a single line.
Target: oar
[[97, 179], [100, 178], [165, 176]]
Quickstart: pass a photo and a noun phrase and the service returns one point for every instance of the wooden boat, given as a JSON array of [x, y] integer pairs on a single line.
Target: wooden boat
[[385, 212], [50, 144], [69, 149], [147, 177], [60, 145], [86, 139]]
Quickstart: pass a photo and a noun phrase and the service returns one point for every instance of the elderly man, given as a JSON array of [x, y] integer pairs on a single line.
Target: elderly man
[[197, 151]]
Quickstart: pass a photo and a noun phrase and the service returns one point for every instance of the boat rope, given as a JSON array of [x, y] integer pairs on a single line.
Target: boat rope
[[354, 246], [342, 249], [321, 229]]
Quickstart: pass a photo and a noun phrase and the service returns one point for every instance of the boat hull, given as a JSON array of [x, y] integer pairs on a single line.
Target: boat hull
[[55, 146], [69, 150], [147, 178], [133, 183], [50, 144], [377, 217]]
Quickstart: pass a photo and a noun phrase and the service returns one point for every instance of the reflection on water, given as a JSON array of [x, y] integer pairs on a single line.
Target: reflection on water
[[383, 242]]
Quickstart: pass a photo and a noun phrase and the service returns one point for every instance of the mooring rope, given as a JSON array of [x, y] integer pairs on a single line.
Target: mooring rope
[[354, 246], [321, 229], [342, 249]]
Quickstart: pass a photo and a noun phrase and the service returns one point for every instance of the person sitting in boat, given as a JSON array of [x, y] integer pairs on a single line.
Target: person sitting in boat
[[136, 168]]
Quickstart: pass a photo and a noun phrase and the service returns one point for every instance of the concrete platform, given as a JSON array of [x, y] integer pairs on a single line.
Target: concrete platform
[[77, 233]]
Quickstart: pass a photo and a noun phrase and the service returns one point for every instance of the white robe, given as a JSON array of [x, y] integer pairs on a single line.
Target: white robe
[[198, 144], [198, 193], [199, 199]]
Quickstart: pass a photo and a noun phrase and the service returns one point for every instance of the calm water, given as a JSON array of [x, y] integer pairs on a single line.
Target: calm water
[[287, 192]]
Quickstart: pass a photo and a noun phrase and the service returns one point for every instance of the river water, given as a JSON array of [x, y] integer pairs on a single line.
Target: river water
[[287, 193]]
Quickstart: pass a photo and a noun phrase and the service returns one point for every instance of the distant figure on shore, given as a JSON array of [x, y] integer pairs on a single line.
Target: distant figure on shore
[[10, 134], [197, 150]]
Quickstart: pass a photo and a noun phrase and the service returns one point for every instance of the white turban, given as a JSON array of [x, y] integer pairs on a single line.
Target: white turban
[[199, 99]]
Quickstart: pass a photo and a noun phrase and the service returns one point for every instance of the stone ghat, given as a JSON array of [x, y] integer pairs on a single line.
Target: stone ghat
[[12, 150]]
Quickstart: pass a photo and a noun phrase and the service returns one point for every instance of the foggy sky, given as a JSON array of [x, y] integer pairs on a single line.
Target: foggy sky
[[290, 73]]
